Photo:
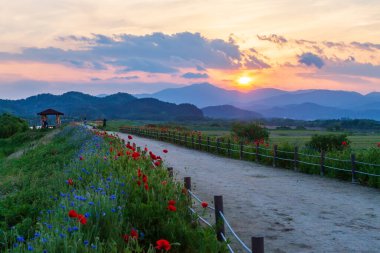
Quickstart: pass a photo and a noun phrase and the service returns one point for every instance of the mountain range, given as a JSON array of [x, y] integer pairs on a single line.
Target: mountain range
[[116, 106], [184, 103], [275, 103]]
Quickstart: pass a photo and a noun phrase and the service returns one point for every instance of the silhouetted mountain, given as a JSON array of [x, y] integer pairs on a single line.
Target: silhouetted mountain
[[229, 112], [205, 94], [120, 105]]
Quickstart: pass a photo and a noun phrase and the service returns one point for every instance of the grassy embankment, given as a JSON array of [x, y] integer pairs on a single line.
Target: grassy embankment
[[121, 203]]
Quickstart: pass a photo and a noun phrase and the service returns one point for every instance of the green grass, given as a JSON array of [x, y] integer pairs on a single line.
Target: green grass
[[19, 141]]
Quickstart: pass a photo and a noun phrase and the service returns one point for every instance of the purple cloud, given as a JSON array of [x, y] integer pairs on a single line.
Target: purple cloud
[[190, 75], [310, 59]]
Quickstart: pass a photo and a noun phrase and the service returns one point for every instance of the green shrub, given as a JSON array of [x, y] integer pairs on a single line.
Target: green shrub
[[10, 125], [252, 131], [329, 142]]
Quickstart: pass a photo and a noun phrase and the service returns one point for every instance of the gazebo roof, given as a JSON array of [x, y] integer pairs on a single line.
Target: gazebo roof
[[50, 112]]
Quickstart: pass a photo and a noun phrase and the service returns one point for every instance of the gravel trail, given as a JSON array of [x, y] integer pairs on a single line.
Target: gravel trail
[[295, 212]]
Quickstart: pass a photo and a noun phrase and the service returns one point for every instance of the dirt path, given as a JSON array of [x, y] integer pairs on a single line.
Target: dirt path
[[295, 212]]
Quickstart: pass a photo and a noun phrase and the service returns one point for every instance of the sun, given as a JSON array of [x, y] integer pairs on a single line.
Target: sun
[[245, 80]]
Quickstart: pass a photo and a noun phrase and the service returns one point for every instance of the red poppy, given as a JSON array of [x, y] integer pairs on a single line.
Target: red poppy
[[130, 137], [134, 233], [145, 178], [172, 208], [163, 244], [111, 149], [157, 163], [344, 143], [81, 158], [126, 237], [119, 153], [136, 155], [153, 156], [146, 186], [82, 219], [204, 204], [73, 214], [171, 202], [138, 182], [146, 149], [164, 182], [378, 144], [70, 181], [139, 172], [165, 151]]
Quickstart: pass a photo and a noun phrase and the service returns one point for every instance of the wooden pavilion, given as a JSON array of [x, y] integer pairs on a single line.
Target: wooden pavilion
[[47, 112]]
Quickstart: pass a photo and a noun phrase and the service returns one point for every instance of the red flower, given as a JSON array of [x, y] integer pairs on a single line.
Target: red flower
[[82, 219], [204, 204], [81, 158], [134, 233], [138, 182], [171, 202], [136, 155], [139, 172], [344, 143], [146, 149], [163, 244], [153, 156], [172, 208], [130, 137], [157, 163], [73, 214], [164, 182], [145, 178], [70, 181], [165, 151], [378, 144], [111, 149], [146, 186]]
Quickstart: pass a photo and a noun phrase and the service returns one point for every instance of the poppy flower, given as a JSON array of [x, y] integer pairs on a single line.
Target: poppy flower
[[378, 144], [165, 151], [344, 143], [145, 178], [146, 186], [138, 182], [134, 233], [146, 149], [130, 137], [164, 182], [136, 155], [157, 163], [204, 204], [111, 149], [139, 172], [126, 237], [73, 214], [172, 208], [70, 181], [82, 219], [163, 244], [171, 202], [81, 158]]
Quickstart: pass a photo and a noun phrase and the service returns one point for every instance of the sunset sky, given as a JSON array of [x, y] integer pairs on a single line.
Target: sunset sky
[[141, 46]]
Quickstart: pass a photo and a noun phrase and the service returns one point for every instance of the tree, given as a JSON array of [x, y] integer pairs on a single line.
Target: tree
[[329, 142], [9, 125], [250, 132]]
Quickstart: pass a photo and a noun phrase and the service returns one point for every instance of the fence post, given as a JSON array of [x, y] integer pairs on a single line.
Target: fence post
[[257, 151], [295, 158], [241, 150], [185, 140], [169, 136], [179, 137], [274, 155], [170, 172], [192, 141], [187, 181], [208, 143], [229, 148], [200, 142], [218, 202], [218, 145], [353, 168], [257, 244], [322, 163]]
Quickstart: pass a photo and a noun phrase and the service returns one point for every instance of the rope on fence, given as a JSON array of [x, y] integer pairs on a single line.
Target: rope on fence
[[285, 159], [198, 199], [200, 217], [308, 163], [334, 168], [233, 232], [366, 173], [285, 152], [337, 160], [228, 245], [369, 164], [315, 156]]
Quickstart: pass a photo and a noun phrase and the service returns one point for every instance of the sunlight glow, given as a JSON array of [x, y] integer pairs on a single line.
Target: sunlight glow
[[245, 80]]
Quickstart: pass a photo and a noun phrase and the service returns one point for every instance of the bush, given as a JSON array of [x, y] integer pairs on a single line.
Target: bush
[[329, 142], [253, 131], [10, 125]]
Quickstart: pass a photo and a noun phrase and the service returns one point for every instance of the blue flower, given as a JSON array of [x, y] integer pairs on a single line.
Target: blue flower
[[62, 235], [44, 240], [93, 246], [75, 228], [113, 210], [20, 239], [44, 251], [85, 242], [37, 234], [91, 203], [30, 247], [87, 215], [113, 197]]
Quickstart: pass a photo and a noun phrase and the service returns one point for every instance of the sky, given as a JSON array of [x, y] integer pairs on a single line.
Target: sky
[[141, 46]]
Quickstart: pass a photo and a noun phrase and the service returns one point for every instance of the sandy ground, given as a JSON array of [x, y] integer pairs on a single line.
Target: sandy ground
[[294, 211]]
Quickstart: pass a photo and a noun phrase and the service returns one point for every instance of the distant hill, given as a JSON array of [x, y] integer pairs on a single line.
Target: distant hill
[[205, 94], [229, 112], [301, 104], [120, 105]]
